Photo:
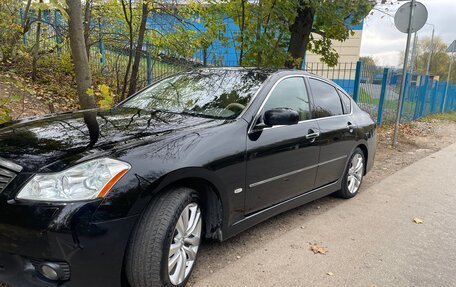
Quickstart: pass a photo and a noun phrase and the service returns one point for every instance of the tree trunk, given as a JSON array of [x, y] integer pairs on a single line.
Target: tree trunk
[[258, 31], [241, 53], [87, 21], [36, 47], [138, 50], [300, 32], [128, 19], [79, 55]]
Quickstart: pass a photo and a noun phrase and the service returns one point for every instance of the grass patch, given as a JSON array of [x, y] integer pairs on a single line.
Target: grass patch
[[365, 98], [449, 116]]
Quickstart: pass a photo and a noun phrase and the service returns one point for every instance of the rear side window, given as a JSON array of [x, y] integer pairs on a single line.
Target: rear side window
[[326, 99], [290, 93], [346, 102]]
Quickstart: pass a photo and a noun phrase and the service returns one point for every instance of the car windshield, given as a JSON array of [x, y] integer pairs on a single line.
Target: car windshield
[[214, 93]]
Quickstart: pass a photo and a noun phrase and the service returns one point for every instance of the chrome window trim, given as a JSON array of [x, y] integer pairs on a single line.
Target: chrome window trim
[[274, 178], [339, 89], [254, 97], [255, 119], [257, 115]]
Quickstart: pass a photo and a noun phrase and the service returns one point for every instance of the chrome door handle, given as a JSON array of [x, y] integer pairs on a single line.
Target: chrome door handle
[[312, 136], [350, 127]]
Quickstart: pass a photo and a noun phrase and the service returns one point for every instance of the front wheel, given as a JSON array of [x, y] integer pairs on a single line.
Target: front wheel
[[166, 241], [353, 176]]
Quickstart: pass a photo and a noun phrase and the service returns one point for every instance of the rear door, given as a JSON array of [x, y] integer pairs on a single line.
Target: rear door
[[337, 130], [282, 161]]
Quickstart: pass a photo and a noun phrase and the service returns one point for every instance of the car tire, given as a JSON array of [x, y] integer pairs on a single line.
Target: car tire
[[157, 242], [353, 175]]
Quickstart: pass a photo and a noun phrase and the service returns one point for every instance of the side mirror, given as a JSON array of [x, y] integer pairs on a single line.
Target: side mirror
[[280, 116]]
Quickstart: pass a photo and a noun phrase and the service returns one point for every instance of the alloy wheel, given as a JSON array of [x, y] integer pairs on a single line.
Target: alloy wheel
[[185, 244], [355, 173]]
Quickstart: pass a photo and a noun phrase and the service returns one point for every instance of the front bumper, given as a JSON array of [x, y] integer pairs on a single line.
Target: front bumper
[[93, 250]]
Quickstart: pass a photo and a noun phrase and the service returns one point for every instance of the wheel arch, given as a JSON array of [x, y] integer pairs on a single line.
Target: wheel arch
[[211, 203], [211, 192]]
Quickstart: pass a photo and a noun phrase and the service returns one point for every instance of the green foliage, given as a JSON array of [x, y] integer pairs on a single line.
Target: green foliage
[[263, 36], [368, 60], [103, 94], [440, 59], [10, 26], [261, 39], [5, 107], [331, 22]]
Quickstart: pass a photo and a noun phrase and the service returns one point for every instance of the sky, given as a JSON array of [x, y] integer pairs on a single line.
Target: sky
[[385, 43]]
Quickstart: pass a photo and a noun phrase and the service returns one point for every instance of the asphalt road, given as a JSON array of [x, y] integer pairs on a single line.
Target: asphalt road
[[371, 240]]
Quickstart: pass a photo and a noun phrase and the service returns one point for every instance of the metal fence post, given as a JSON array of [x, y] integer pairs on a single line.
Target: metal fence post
[[102, 56], [422, 95], [357, 81], [442, 97], [382, 95], [434, 96], [149, 64], [58, 41], [407, 93]]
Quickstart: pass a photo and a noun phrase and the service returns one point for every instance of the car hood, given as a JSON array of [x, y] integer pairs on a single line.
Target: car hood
[[38, 142]]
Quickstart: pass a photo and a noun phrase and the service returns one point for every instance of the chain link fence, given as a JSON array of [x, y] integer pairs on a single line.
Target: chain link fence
[[377, 89]]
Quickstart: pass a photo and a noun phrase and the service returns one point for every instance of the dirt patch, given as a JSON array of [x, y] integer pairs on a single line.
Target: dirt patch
[[417, 140], [27, 99], [20, 99]]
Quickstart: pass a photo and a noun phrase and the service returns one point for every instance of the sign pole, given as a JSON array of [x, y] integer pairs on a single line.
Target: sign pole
[[448, 82], [430, 52], [404, 71]]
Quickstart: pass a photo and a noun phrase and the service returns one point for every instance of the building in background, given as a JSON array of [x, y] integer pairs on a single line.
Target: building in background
[[349, 53], [349, 50]]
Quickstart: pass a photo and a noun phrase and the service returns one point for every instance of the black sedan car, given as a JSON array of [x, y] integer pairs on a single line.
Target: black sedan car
[[124, 197]]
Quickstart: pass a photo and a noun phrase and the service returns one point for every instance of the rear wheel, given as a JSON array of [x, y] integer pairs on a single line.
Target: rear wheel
[[166, 241], [353, 176]]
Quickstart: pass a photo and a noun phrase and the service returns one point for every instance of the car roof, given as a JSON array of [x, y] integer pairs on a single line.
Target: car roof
[[268, 71], [276, 72]]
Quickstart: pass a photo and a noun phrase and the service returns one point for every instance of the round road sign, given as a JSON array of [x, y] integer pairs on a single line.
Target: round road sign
[[402, 16]]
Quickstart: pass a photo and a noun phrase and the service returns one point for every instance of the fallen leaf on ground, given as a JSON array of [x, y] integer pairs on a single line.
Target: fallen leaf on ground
[[418, 221], [318, 249]]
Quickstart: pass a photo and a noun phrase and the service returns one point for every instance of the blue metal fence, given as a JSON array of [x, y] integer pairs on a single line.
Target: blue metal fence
[[376, 90]]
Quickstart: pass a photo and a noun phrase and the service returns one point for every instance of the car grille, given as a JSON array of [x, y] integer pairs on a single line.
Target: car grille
[[8, 172]]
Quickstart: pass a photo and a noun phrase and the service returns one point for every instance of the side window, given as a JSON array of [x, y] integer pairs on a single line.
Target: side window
[[346, 102], [326, 99], [290, 93]]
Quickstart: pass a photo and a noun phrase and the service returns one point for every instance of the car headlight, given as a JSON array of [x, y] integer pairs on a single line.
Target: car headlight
[[84, 181]]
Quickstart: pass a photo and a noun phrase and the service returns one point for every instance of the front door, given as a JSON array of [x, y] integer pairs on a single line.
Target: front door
[[282, 161]]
